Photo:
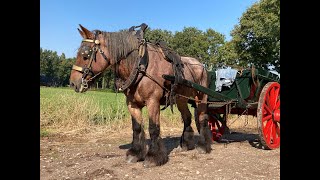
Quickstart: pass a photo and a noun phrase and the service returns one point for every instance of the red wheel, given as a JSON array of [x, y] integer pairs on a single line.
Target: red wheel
[[269, 115], [216, 127]]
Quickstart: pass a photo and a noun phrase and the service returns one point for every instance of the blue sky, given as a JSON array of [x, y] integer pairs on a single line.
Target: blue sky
[[59, 19]]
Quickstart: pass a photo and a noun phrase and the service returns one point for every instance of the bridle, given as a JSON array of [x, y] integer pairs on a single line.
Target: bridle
[[86, 70], [140, 66]]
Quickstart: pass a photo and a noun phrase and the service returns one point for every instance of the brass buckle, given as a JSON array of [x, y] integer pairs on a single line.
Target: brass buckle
[[84, 82], [142, 41], [86, 71]]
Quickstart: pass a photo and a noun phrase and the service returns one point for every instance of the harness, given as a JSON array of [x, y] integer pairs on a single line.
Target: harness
[[136, 74], [140, 66], [91, 54]]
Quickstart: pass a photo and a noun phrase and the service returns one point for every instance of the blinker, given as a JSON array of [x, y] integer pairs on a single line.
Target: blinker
[[87, 53]]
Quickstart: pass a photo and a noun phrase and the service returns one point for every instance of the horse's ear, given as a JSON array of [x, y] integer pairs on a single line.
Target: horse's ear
[[88, 34], [82, 34]]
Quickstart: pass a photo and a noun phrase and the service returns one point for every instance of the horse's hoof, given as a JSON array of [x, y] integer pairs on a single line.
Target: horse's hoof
[[183, 148], [131, 159], [149, 164], [203, 149], [179, 149]]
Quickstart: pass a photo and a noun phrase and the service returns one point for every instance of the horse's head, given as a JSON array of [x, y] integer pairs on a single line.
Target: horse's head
[[92, 59], [99, 50]]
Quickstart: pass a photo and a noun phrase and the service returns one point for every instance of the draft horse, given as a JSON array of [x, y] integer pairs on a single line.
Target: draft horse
[[139, 67]]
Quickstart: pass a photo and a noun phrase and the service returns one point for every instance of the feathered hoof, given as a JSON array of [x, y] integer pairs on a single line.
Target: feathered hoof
[[131, 159], [204, 149], [155, 160]]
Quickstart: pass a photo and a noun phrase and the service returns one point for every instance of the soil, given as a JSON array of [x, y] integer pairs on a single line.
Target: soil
[[237, 156]]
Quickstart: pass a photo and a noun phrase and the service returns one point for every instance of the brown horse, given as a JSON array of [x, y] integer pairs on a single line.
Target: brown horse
[[122, 50]]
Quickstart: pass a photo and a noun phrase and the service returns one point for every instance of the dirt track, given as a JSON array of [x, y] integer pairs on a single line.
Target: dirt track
[[238, 156]]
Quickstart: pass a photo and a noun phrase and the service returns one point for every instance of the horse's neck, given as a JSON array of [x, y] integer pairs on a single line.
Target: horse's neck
[[123, 69], [126, 66]]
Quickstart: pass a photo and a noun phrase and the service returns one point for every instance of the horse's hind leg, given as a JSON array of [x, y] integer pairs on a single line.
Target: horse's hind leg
[[138, 150], [204, 143], [187, 137], [157, 154]]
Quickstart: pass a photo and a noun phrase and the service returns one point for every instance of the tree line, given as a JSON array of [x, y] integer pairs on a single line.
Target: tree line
[[255, 40]]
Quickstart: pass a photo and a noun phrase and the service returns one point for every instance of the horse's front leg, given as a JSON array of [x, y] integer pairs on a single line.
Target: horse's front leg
[[138, 150], [157, 154]]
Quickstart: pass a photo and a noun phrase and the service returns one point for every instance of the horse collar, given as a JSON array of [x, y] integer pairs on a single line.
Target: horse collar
[[139, 68]]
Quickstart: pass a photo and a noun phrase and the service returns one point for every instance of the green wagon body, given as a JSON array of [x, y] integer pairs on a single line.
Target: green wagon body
[[242, 92], [244, 97]]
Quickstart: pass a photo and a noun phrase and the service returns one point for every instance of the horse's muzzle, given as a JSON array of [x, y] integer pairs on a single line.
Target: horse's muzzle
[[76, 85]]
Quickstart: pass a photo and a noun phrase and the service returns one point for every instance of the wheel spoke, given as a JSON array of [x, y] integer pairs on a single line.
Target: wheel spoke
[[266, 128], [276, 96], [217, 124], [274, 134], [272, 98], [267, 109], [266, 118]]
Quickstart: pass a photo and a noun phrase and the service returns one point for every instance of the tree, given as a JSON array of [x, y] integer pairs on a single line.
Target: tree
[[228, 55], [54, 69], [198, 44], [215, 41], [257, 37], [158, 34]]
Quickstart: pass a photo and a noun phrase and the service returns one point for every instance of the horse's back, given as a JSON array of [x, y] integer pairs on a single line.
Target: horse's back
[[194, 71]]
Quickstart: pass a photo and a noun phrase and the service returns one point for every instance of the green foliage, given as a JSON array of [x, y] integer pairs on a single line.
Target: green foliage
[[228, 55], [257, 37], [198, 44], [54, 69], [158, 34], [191, 42]]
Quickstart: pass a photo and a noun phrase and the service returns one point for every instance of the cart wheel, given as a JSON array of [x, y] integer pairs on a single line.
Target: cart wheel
[[216, 127], [269, 115]]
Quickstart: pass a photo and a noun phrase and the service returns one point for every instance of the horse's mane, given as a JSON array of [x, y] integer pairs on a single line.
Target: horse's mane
[[120, 44]]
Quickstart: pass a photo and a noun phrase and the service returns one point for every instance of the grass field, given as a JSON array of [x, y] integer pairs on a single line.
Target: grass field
[[63, 110]]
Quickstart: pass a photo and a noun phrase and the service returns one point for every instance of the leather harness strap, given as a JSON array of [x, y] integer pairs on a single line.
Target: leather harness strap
[[135, 75], [92, 55], [140, 66], [138, 70]]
